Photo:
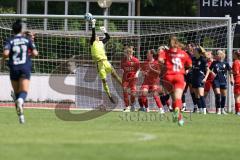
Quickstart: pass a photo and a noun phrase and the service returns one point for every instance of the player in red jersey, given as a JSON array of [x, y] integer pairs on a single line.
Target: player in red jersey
[[176, 61], [130, 66], [164, 95], [151, 72], [208, 83], [236, 76]]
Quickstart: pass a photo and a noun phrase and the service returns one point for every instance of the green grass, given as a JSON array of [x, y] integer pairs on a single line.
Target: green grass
[[117, 137]]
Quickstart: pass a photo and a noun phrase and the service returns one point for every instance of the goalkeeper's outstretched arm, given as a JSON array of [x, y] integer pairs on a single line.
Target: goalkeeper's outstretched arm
[[106, 39], [93, 38], [107, 36]]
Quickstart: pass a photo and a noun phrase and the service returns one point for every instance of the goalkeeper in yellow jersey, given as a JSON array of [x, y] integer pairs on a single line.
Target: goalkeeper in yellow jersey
[[99, 56]]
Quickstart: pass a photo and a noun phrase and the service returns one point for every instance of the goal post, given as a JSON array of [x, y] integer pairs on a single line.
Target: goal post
[[64, 52]]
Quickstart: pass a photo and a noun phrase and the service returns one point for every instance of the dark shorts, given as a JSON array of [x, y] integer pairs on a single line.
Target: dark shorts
[[197, 83], [20, 73], [188, 78], [217, 84]]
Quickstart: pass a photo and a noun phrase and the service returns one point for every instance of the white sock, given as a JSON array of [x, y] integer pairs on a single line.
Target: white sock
[[19, 101], [184, 105]]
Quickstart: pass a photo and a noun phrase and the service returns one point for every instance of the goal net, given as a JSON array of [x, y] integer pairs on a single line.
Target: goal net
[[64, 72]]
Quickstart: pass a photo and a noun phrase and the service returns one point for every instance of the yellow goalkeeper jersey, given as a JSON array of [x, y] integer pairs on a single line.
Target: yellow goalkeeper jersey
[[98, 51]]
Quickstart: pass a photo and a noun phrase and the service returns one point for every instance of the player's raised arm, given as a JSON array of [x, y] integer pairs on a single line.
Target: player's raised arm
[[107, 36], [93, 38]]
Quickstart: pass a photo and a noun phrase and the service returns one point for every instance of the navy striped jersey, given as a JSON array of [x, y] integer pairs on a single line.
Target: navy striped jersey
[[19, 46], [220, 69]]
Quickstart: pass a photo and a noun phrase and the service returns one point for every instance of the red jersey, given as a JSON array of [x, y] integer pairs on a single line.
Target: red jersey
[[236, 71], [210, 76], [176, 61], [151, 76], [130, 67]]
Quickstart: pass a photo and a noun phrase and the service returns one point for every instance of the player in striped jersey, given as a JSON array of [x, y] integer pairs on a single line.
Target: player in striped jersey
[[219, 69], [20, 65], [200, 72]]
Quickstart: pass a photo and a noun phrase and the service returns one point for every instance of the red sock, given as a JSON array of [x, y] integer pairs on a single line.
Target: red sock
[[237, 107], [145, 101], [158, 101], [132, 99], [125, 98], [177, 104]]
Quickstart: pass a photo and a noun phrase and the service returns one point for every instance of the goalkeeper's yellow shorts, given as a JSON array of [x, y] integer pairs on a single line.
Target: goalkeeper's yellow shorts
[[104, 68]]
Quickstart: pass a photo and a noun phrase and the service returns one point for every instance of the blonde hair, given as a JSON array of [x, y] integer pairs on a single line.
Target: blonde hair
[[201, 51], [129, 50], [221, 54]]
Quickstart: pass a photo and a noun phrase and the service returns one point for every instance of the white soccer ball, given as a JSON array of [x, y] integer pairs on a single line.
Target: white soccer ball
[[88, 17]]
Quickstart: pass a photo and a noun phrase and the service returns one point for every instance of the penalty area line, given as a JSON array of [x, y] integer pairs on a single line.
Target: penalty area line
[[145, 136]]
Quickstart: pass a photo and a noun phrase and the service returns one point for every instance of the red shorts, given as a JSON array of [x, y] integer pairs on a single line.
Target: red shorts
[[237, 89], [172, 82], [151, 88], [207, 86], [130, 85]]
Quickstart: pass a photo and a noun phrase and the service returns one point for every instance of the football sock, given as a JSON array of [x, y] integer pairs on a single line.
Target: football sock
[[162, 98], [106, 89], [183, 98], [126, 99], [158, 102], [199, 104], [132, 98], [236, 107], [223, 101], [193, 98], [140, 101], [177, 104], [218, 100], [145, 101], [202, 101]]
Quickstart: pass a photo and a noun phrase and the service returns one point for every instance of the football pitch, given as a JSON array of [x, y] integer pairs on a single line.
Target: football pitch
[[118, 136]]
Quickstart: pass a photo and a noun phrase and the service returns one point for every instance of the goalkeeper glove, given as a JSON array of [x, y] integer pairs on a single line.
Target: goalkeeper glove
[[103, 29], [93, 23]]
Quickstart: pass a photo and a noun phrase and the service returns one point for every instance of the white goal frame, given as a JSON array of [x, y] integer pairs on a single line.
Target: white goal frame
[[132, 23]]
